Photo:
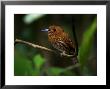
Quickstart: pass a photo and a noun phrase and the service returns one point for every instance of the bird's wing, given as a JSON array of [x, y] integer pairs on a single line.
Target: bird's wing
[[71, 44]]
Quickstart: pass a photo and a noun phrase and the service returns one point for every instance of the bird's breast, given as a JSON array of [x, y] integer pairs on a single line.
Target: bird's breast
[[54, 38]]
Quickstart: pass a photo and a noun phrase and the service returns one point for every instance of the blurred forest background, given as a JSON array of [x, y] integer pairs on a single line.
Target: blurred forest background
[[29, 61]]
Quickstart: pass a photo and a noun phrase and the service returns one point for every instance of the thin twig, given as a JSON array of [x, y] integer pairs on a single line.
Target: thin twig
[[49, 50], [40, 47], [33, 45], [71, 67]]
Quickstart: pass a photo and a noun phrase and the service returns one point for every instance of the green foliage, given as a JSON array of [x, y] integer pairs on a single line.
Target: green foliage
[[57, 71], [39, 61], [54, 71], [86, 44], [22, 66], [68, 73]]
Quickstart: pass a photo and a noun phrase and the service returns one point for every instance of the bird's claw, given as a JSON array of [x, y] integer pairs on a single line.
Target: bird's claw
[[62, 54]]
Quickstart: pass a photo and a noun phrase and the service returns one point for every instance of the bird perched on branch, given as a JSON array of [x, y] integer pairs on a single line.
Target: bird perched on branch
[[62, 42]]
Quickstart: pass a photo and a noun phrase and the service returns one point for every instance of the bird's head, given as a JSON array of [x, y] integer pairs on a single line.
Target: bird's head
[[54, 30]]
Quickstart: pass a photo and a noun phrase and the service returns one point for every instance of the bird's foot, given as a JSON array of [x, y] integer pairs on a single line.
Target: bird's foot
[[63, 53]]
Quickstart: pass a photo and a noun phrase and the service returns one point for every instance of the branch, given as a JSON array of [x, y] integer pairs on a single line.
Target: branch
[[41, 47], [71, 67]]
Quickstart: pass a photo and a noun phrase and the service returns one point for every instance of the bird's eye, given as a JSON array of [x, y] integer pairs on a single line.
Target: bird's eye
[[48, 29], [54, 29]]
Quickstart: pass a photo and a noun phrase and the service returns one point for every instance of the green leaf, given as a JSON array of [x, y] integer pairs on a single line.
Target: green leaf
[[39, 61], [22, 65], [54, 71], [87, 43], [32, 17]]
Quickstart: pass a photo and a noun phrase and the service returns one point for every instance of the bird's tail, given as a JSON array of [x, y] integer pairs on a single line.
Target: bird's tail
[[76, 69], [75, 60]]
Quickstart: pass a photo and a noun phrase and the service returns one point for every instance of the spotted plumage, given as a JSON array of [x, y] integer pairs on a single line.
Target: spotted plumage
[[60, 40]]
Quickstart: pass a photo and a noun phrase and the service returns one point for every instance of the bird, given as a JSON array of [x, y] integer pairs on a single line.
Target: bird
[[61, 41]]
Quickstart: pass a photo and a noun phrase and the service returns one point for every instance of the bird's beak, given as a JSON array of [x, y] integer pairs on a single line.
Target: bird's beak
[[45, 30]]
